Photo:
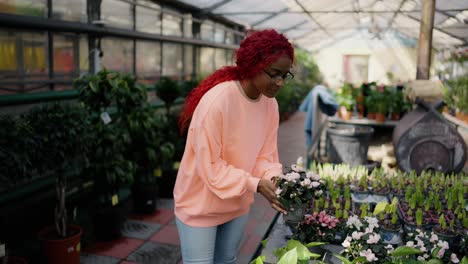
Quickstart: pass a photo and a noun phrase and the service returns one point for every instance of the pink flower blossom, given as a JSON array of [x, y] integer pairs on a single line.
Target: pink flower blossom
[[454, 258], [434, 238], [373, 239], [370, 256], [357, 235]]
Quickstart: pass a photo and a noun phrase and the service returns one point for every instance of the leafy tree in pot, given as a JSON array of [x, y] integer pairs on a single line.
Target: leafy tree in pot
[[168, 91], [61, 133], [110, 167]]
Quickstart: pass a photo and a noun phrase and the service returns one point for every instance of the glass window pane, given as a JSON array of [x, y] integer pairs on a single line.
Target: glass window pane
[[24, 65], [207, 31], [84, 55], [206, 61], [64, 57], [117, 13], [230, 60], [188, 60], [188, 26], [220, 58], [219, 34], [148, 60], [34, 53], [229, 37], [118, 54], [172, 25], [24, 7], [172, 59], [8, 53], [72, 10], [148, 20]]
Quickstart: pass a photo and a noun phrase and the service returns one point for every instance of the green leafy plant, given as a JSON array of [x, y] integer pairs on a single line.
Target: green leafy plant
[[456, 93], [62, 134], [168, 90], [109, 97], [293, 253]]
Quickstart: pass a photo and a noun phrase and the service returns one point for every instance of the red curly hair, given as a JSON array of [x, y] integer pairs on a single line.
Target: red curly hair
[[258, 50]]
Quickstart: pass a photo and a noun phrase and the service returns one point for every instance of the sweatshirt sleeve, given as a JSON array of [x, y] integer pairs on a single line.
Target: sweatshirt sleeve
[[222, 179], [267, 165]]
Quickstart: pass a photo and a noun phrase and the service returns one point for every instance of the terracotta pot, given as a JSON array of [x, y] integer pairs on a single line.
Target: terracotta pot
[[360, 108], [344, 113], [379, 117], [371, 115], [59, 250], [395, 116]]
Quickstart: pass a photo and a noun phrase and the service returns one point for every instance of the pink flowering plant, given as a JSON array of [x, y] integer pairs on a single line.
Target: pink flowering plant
[[298, 187], [364, 240], [317, 227], [431, 247]]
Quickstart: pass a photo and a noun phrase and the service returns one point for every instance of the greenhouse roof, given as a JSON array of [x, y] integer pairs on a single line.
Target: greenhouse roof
[[315, 24]]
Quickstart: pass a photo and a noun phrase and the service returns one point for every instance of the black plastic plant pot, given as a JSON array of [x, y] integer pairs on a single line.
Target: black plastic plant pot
[[144, 197], [347, 144], [108, 222]]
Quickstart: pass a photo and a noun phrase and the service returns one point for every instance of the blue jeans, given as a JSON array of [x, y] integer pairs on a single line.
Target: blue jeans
[[208, 245]]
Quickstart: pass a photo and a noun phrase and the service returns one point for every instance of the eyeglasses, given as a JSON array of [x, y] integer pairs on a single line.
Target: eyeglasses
[[280, 77]]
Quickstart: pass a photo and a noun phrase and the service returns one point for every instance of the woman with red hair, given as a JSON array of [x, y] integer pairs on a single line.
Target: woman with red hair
[[231, 149]]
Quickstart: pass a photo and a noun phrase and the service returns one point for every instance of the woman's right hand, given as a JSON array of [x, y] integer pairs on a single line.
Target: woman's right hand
[[267, 189]]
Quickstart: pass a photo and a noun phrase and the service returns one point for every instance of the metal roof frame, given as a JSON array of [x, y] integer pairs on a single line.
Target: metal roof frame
[[335, 16]]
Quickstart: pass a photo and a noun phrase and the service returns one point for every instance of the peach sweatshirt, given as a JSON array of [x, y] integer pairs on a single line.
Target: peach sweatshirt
[[231, 145]]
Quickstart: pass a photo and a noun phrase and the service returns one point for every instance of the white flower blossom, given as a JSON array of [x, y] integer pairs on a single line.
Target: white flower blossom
[[278, 191], [354, 221], [434, 238], [347, 242], [357, 235], [410, 244], [454, 258], [315, 184]]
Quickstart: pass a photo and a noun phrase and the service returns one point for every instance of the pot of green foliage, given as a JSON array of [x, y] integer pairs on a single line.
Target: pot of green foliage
[[63, 133], [150, 151], [110, 168], [456, 96], [168, 91]]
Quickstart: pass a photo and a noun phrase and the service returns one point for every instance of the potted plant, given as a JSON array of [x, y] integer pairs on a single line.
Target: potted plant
[[370, 103], [389, 222], [296, 189], [397, 104], [345, 99], [168, 91], [381, 106], [446, 232], [364, 240], [433, 248], [63, 134], [110, 168], [318, 227], [456, 96], [150, 151]]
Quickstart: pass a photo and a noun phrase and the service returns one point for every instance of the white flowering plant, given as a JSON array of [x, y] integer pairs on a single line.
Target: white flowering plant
[[298, 187], [364, 240], [431, 247]]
